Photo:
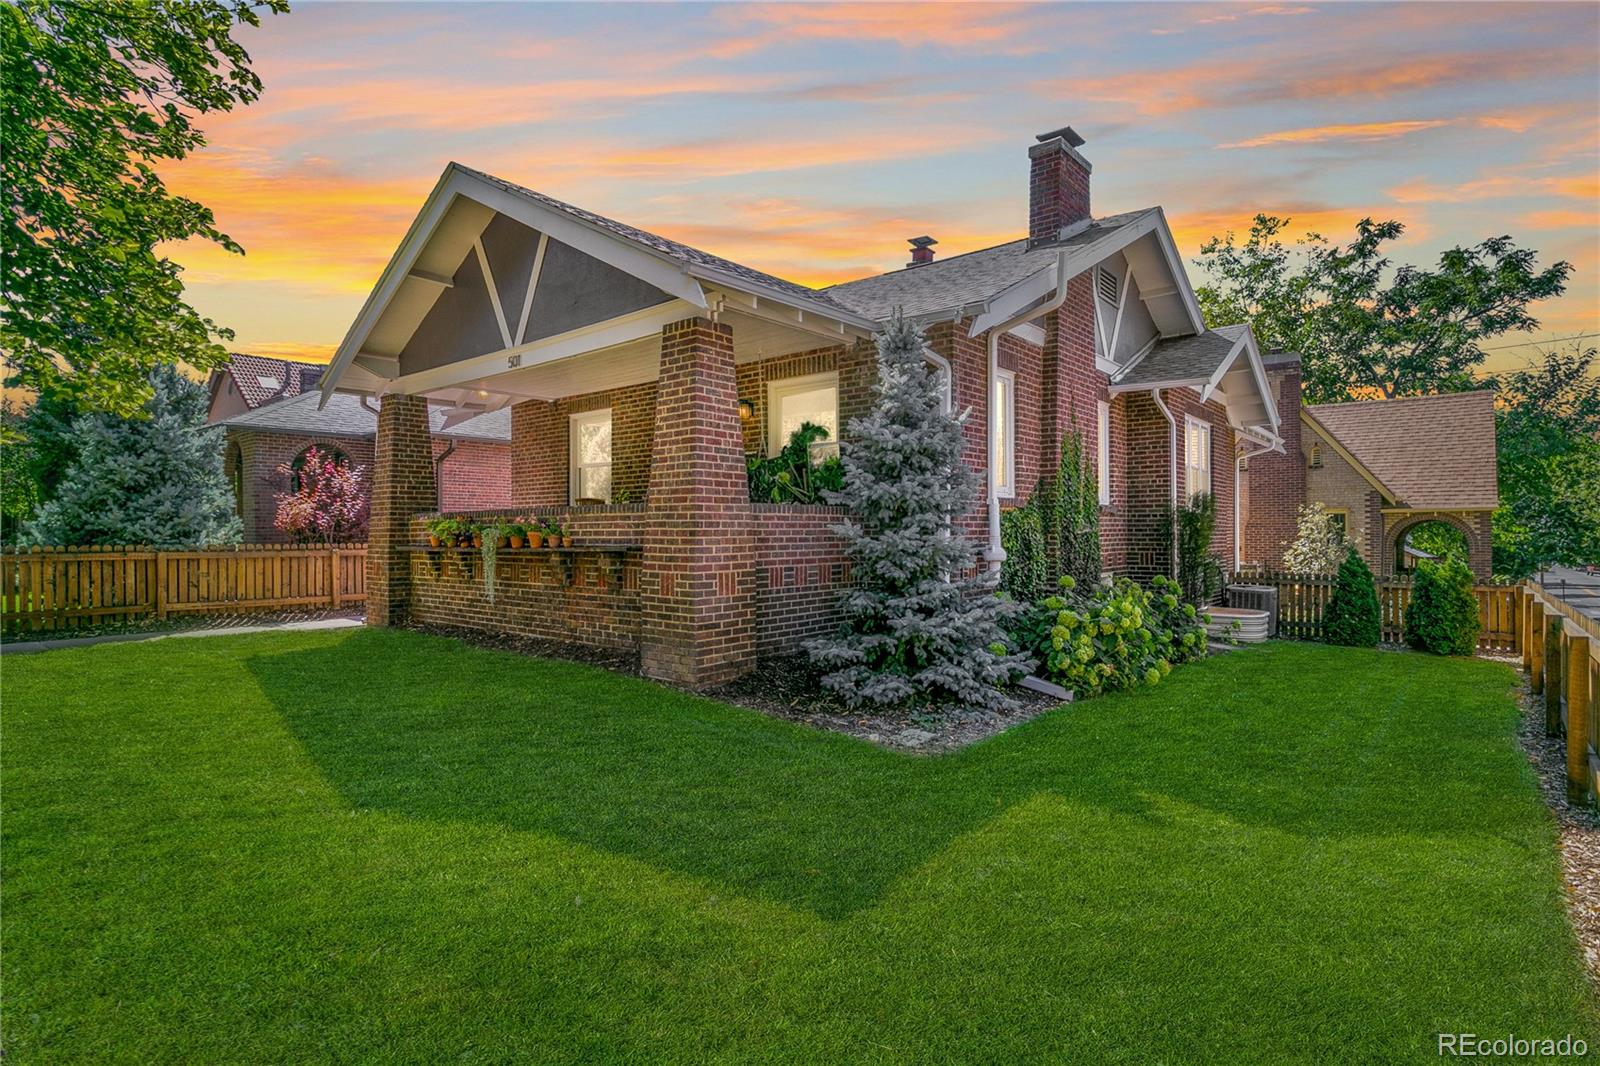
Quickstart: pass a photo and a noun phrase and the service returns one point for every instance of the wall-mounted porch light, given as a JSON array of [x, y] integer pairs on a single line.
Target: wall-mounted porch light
[[747, 410]]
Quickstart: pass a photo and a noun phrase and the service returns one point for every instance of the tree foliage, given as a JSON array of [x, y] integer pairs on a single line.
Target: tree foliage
[[155, 479], [1547, 432], [1442, 616], [94, 96], [1363, 326], [1318, 547], [327, 503], [920, 626], [1352, 617]]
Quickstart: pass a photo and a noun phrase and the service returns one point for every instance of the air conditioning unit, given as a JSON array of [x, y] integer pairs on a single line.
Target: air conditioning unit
[[1257, 598]]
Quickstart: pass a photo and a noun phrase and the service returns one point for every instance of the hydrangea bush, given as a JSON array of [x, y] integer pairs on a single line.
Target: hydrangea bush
[[1112, 636]]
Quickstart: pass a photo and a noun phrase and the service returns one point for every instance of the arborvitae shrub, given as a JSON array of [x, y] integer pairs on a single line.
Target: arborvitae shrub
[[1352, 617], [1442, 617]]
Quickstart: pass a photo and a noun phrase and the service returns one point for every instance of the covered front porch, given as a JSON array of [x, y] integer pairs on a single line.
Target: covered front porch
[[639, 377]]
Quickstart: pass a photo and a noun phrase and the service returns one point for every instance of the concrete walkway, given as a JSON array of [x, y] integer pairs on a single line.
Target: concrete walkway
[[24, 647]]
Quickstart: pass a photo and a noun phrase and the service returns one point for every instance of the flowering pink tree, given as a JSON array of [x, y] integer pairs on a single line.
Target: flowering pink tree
[[329, 503]]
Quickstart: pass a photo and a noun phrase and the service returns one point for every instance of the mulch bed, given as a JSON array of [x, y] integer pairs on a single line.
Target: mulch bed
[[1579, 827]]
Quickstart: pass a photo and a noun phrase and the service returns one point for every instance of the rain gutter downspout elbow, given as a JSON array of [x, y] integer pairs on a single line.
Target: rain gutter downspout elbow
[[995, 554]]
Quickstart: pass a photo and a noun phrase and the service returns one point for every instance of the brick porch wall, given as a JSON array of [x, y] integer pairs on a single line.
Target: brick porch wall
[[402, 486], [477, 475], [800, 571]]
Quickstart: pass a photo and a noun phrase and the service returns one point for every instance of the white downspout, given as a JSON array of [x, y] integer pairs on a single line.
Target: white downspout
[[1172, 473], [1239, 456], [995, 555]]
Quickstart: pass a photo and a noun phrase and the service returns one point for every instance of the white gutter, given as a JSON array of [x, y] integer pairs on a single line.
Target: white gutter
[[1172, 473], [1239, 456], [995, 555]]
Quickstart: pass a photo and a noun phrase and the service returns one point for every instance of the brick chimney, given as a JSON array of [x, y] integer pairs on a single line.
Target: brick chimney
[[921, 250], [1058, 184]]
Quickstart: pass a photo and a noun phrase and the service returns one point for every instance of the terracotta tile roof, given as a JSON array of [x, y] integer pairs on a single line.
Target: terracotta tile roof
[[1432, 452], [260, 379]]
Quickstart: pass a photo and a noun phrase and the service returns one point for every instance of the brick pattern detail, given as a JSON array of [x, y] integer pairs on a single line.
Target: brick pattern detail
[[699, 540], [475, 476], [402, 485], [1475, 525], [1147, 473], [588, 598], [1058, 191], [800, 571], [1275, 485]]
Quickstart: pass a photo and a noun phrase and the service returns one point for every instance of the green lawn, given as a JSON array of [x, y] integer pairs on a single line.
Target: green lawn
[[371, 845]]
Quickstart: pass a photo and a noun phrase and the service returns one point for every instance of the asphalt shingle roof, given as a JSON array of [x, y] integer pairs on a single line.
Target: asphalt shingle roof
[[345, 416], [261, 379], [1193, 358], [961, 280], [676, 250], [1433, 452]]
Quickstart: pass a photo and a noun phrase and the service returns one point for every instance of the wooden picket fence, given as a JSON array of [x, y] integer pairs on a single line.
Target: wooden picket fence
[[46, 589], [1561, 653], [1303, 599]]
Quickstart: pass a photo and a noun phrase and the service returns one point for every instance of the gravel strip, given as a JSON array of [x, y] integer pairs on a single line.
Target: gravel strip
[[1578, 825]]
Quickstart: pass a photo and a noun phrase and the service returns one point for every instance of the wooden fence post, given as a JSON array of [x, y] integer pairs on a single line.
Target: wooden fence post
[[1525, 628], [333, 576], [1578, 738], [161, 586], [1552, 674], [1536, 644]]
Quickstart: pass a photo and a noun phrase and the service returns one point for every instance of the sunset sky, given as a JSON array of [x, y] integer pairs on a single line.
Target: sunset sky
[[811, 140]]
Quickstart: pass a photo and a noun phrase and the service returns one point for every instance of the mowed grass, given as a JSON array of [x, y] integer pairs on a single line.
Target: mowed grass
[[368, 845]]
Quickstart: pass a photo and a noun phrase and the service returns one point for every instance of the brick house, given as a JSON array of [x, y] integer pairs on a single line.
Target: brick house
[[272, 418], [1382, 467], [640, 372]]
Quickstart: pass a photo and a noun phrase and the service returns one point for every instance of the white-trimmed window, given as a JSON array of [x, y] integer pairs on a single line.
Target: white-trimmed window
[[1004, 426], [1197, 456], [939, 367], [1102, 454], [793, 402], [589, 453]]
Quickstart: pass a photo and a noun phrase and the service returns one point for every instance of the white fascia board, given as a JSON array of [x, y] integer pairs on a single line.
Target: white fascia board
[[608, 334], [658, 269], [1029, 333], [815, 308], [1116, 389], [1180, 277], [1245, 347], [1013, 300], [1222, 368], [394, 273]]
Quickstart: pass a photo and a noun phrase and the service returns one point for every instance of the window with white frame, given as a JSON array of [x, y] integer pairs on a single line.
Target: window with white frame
[[1197, 456], [1004, 427], [939, 367], [793, 402], [589, 453], [1102, 454]]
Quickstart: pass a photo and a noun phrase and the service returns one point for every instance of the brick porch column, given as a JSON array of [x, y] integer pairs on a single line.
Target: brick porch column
[[698, 580], [402, 485]]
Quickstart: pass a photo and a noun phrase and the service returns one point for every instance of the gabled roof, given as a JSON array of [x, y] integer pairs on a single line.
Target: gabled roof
[[1430, 452], [260, 378], [347, 416], [948, 285], [1183, 360]]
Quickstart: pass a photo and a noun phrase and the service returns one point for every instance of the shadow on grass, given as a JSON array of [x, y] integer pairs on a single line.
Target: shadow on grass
[[1305, 739]]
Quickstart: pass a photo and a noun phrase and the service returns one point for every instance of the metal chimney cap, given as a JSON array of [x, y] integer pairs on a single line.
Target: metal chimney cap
[[1066, 133], [920, 242]]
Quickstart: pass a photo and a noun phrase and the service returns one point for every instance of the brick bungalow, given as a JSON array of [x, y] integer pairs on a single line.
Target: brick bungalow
[[639, 372], [1382, 467], [272, 418]]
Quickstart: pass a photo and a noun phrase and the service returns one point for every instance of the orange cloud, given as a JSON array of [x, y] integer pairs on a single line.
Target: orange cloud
[[303, 353], [991, 27], [1351, 131], [1561, 218], [1191, 229], [1495, 187]]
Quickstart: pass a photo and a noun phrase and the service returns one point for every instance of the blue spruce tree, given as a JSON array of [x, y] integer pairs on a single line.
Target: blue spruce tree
[[921, 623]]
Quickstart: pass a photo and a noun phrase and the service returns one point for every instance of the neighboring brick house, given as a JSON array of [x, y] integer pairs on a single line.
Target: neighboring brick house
[[1383, 467], [642, 371], [272, 419]]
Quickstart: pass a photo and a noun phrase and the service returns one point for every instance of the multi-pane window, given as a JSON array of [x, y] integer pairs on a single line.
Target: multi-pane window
[[1102, 454], [1197, 456], [794, 402], [1004, 426], [590, 452]]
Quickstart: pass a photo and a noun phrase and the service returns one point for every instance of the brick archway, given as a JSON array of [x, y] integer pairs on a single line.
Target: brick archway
[[1475, 532]]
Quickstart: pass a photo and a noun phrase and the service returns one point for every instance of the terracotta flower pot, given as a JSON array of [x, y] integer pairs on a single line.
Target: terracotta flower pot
[[433, 540], [477, 540], [516, 542], [566, 541]]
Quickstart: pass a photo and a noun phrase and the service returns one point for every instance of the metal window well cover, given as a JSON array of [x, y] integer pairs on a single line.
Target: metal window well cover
[[1245, 626], [1257, 598]]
